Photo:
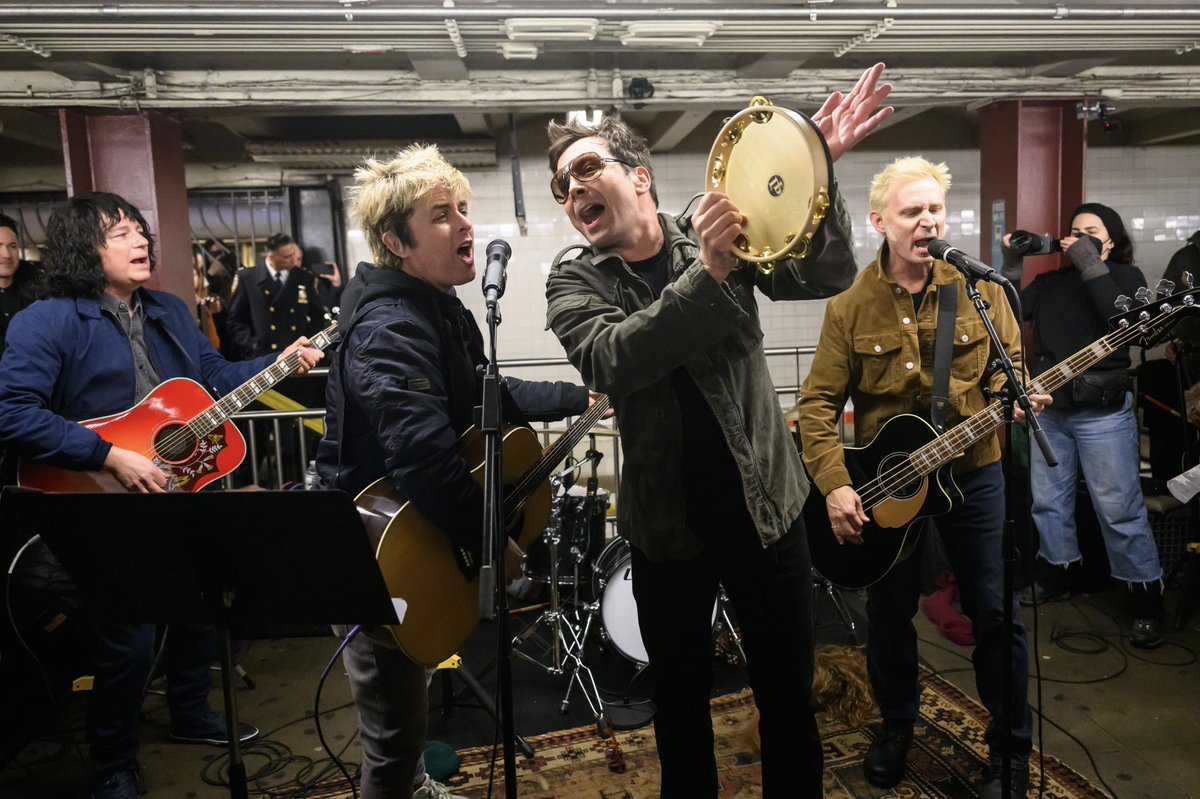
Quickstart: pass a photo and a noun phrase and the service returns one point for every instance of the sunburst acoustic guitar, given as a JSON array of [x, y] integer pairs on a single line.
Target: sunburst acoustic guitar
[[441, 607]]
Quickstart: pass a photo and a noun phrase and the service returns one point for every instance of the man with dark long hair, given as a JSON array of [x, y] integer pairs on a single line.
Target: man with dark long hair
[[96, 346]]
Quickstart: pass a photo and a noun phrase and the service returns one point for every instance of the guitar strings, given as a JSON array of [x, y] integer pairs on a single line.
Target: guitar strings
[[529, 482], [178, 437], [880, 488]]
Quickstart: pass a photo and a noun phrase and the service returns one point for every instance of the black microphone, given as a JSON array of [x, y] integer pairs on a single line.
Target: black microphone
[[970, 266], [495, 272]]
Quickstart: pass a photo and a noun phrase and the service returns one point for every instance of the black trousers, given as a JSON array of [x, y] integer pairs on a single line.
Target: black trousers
[[771, 593]]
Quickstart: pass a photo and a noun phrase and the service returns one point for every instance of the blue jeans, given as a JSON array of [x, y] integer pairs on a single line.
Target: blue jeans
[[122, 656], [1103, 442], [971, 533]]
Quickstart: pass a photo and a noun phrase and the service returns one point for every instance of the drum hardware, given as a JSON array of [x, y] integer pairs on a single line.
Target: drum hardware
[[784, 200], [570, 629], [839, 603]]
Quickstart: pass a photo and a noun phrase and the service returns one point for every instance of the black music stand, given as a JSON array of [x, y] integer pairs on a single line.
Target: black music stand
[[240, 560]]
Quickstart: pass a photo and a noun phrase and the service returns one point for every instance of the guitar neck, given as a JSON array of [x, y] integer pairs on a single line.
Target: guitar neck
[[555, 454], [945, 448], [256, 386]]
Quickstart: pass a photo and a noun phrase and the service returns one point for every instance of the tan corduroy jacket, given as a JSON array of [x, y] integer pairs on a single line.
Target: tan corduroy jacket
[[878, 351]]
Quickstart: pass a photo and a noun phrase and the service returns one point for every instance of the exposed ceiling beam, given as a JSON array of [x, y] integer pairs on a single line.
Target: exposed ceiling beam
[[1070, 67], [669, 130], [615, 10], [79, 70], [438, 67], [30, 127], [1164, 129], [770, 65], [473, 124], [404, 92]]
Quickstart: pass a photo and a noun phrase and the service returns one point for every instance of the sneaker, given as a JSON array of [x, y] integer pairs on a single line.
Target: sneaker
[[122, 785], [1146, 633], [991, 786], [1026, 595], [432, 789], [210, 729]]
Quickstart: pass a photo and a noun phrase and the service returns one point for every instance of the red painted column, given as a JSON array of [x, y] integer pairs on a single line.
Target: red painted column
[[140, 157], [1033, 167]]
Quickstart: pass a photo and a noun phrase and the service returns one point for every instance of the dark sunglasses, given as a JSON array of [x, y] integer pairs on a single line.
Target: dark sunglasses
[[584, 168]]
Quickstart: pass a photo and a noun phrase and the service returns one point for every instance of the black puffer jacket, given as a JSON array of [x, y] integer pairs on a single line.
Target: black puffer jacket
[[407, 362]]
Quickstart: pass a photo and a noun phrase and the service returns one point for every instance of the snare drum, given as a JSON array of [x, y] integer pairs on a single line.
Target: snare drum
[[618, 608], [581, 538]]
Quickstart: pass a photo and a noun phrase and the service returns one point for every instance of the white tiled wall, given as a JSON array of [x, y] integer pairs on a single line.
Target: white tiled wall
[[1156, 191]]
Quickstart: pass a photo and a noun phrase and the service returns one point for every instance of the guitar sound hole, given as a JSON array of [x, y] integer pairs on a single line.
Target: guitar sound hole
[[175, 443], [897, 476]]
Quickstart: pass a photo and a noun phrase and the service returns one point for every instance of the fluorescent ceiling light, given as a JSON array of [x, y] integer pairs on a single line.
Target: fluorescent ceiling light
[[666, 32], [516, 51], [562, 28]]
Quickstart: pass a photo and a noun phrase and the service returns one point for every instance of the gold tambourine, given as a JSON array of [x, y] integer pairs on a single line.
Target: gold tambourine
[[774, 165]]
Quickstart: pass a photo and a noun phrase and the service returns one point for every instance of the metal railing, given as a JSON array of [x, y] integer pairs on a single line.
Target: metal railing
[[265, 471]]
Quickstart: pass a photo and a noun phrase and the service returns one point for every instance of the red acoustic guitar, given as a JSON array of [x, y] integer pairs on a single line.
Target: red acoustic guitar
[[179, 427]]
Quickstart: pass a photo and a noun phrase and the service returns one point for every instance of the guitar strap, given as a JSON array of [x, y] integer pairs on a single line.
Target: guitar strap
[[943, 352]]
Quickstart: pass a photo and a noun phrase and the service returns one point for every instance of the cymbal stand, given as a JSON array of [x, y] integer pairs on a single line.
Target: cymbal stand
[[575, 651], [725, 623], [839, 603]]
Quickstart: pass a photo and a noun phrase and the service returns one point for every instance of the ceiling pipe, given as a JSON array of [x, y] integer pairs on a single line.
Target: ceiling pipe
[[809, 12]]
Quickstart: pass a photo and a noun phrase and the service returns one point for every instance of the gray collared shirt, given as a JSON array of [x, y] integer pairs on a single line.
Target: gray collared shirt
[[144, 375]]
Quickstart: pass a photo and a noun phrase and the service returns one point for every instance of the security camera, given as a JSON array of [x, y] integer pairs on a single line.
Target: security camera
[[640, 89]]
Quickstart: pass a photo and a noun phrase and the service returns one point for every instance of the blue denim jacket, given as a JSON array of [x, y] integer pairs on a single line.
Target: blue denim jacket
[[67, 362]]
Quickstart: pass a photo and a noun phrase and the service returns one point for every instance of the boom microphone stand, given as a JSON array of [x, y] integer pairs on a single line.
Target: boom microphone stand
[[1014, 393], [493, 598]]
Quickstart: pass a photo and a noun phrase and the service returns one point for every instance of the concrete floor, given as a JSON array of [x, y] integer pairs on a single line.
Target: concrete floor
[[1127, 717]]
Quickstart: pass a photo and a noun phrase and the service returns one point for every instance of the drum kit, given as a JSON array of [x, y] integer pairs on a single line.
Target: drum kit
[[588, 574], [590, 587]]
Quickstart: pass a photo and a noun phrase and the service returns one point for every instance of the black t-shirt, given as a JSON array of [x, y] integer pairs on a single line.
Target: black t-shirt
[[715, 502]]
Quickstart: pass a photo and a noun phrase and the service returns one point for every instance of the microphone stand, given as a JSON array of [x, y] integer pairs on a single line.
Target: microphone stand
[[1014, 392], [493, 596]]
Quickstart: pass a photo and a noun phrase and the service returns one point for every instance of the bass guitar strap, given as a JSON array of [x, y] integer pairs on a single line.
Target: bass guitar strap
[[943, 352]]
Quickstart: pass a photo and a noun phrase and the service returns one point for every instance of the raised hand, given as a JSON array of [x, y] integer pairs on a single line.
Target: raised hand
[[846, 119]]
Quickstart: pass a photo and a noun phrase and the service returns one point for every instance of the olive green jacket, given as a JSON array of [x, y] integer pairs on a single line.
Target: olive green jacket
[[626, 344], [875, 350]]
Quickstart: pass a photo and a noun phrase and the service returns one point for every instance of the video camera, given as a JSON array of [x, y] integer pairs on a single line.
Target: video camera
[[1022, 242]]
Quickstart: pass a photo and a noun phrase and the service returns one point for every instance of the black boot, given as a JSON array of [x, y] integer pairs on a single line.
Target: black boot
[[991, 786], [884, 764]]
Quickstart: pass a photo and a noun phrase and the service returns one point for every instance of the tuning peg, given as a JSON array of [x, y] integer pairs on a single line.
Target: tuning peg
[[1164, 287], [1144, 295], [1186, 277], [1123, 303]]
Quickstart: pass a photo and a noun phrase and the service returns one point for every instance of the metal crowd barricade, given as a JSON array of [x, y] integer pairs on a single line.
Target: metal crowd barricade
[[266, 473]]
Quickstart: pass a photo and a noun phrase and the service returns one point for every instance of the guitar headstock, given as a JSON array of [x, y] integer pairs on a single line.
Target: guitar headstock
[[1156, 315]]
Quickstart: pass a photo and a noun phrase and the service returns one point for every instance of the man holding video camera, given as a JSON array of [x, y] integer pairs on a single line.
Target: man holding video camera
[[1091, 424]]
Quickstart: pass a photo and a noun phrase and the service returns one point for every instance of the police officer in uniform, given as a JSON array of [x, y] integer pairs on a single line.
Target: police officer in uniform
[[274, 302]]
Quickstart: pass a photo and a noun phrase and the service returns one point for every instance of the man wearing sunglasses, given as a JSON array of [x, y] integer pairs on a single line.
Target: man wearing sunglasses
[[655, 312]]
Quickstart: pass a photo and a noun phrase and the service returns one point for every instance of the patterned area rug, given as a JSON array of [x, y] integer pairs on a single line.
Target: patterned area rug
[[946, 760]]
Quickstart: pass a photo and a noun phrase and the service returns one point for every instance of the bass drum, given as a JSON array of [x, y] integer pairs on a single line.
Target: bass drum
[[618, 608]]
